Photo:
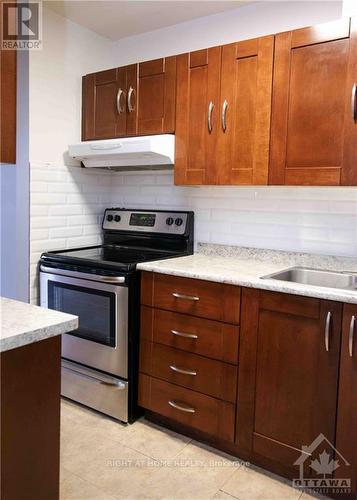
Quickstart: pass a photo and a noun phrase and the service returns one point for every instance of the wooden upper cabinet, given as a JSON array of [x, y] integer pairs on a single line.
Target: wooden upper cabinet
[[223, 114], [104, 103], [197, 116], [245, 106], [133, 100], [346, 436], [157, 93], [288, 374], [8, 106], [314, 130]]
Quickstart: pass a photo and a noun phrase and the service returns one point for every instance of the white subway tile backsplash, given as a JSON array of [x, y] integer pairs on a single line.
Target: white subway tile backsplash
[[66, 232], [37, 222], [47, 198], [67, 205]]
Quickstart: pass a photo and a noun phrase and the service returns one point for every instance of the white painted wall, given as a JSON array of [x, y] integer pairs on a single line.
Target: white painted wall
[[14, 200], [258, 19], [64, 199], [67, 202]]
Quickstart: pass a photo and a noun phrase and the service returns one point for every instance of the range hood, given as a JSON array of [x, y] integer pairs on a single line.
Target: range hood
[[151, 152]]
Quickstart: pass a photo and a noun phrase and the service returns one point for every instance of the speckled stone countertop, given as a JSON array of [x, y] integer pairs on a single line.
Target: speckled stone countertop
[[22, 324], [245, 267]]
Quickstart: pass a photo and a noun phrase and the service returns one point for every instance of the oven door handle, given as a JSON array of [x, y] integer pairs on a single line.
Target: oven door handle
[[116, 384], [87, 276]]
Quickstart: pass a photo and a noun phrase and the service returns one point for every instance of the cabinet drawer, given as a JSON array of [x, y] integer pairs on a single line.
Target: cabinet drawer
[[200, 336], [210, 377], [190, 296], [187, 407]]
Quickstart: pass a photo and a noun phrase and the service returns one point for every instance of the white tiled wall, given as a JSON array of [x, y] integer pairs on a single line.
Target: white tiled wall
[[67, 204]]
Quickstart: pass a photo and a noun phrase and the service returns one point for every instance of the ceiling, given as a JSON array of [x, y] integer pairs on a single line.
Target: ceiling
[[116, 19]]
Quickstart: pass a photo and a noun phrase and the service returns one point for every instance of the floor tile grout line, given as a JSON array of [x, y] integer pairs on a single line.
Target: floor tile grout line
[[228, 494]]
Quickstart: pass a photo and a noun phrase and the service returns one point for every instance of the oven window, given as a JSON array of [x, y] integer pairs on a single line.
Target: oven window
[[95, 309]]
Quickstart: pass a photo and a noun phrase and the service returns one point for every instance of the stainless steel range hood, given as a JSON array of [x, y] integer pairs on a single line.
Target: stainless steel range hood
[[151, 152]]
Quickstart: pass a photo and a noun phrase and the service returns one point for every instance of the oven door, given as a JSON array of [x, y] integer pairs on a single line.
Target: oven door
[[101, 341]]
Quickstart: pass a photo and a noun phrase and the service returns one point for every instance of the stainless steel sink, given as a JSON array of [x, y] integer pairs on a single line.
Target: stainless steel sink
[[316, 277]]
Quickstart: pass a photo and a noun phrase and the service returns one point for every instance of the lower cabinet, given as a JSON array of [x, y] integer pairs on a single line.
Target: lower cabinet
[[346, 436], [278, 389], [198, 411], [189, 352], [288, 374]]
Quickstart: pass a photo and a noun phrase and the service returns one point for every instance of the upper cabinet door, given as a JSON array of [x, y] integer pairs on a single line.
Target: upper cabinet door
[[314, 131], [156, 99], [104, 104], [346, 437], [197, 116], [131, 100], [8, 106], [245, 106]]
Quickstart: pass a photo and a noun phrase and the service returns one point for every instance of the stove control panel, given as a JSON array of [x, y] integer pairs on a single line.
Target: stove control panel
[[116, 219]]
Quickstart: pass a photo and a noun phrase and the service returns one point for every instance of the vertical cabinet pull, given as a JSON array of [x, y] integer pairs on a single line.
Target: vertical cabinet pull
[[131, 106], [327, 331], [353, 103], [224, 115], [351, 335], [120, 108], [209, 118]]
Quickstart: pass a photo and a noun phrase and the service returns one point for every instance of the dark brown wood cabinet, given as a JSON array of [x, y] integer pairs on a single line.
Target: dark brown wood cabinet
[[346, 436], [314, 123], [198, 82], [242, 155], [285, 364], [223, 114], [138, 99], [189, 352], [104, 103], [288, 374], [8, 82], [157, 96]]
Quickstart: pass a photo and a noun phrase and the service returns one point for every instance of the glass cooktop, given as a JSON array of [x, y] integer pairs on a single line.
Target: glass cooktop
[[113, 254]]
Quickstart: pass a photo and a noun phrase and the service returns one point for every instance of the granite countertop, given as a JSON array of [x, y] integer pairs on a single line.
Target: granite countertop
[[245, 266], [23, 324]]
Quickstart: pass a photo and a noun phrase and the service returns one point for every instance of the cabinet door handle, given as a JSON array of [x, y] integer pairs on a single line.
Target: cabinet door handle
[[327, 330], [351, 335], [209, 118], [185, 297], [120, 108], [131, 107], [353, 102], [224, 115], [183, 371], [181, 407], [185, 335]]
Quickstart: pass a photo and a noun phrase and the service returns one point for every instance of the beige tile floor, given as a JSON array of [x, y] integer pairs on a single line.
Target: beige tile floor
[[104, 460]]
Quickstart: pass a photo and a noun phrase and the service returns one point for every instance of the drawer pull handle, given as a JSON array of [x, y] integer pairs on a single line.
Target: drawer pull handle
[[351, 335], [185, 335], [185, 297], [182, 371], [182, 407], [327, 330]]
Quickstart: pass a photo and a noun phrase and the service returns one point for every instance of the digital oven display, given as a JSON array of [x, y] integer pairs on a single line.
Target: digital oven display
[[147, 220]]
